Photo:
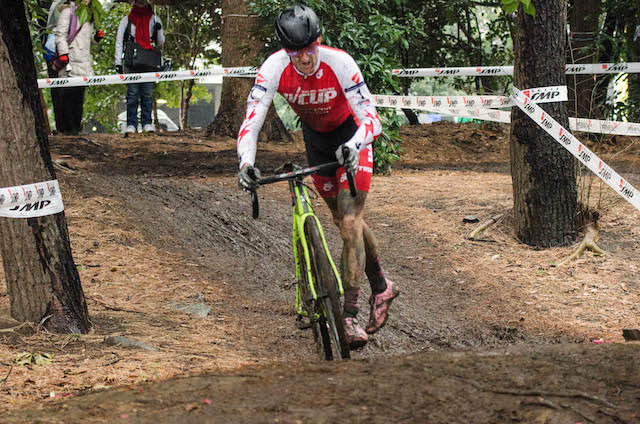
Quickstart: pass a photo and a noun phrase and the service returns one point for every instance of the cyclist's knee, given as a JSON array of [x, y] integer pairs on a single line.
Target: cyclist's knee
[[350, 227]]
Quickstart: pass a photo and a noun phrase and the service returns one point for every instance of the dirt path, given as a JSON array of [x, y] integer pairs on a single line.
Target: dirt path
[[158, 220], [551, 384]]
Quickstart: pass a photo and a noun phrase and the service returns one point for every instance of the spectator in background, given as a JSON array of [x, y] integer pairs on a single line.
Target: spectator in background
[[52, 21], [73, 42], [145, 27]]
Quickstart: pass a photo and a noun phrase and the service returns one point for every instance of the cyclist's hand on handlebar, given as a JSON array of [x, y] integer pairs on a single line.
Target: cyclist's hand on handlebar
[[350, 162], [248, 177]]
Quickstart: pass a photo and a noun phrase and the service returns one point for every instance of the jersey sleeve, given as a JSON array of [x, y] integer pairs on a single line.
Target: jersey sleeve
[[258, 102], [359, 97]]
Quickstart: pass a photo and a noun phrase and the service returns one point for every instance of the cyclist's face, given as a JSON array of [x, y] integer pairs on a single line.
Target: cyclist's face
[[305, 60]]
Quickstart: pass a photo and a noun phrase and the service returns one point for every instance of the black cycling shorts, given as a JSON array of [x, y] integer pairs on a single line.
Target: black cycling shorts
[[321, 147]]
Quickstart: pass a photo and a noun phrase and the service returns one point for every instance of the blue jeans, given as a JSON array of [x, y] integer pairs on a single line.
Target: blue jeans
[[139, 93]]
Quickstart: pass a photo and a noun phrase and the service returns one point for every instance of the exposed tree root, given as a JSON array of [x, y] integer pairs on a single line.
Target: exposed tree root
[[88, 140], [484, 226], [588, 243], [13, 329], [63, 166]]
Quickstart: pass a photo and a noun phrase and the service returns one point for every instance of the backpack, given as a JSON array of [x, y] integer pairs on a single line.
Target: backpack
[[50, 53]]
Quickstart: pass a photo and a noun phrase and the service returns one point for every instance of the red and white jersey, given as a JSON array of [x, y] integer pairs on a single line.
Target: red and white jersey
[[323, 100]]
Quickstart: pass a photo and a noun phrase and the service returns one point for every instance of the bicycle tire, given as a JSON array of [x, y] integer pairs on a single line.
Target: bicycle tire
[[332, 332]]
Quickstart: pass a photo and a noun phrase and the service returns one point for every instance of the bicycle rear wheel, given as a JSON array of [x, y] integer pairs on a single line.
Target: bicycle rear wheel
[[332, 341]]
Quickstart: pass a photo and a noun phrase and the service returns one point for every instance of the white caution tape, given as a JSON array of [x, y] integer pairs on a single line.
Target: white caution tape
[[251, 71], [539, 95], [428, 103], [605, 127], [630, 129], [492, 115], [31, 200], [246, 71], [577, 149], [488, 71], [484, 114], [482, 108]]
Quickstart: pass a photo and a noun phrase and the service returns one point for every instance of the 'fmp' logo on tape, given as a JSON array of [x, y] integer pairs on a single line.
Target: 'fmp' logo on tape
[[564, 139], [545, 122], [615, 68], [575, 69], [489, 71], [604, 171], [545, 96], [584, 155], [94, 80], [447, 71], [130, 77], [166, 76], [57, 82], [625, 189]]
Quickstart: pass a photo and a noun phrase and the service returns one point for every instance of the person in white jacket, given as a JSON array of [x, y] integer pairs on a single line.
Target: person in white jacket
[[145, 27], [50, 43], [73, 43]]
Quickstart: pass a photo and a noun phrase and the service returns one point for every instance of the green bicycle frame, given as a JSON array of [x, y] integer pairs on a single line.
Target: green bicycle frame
[[302, 210]]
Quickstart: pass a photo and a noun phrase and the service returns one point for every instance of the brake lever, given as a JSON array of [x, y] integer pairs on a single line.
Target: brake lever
[[255, 204], [350, 177]]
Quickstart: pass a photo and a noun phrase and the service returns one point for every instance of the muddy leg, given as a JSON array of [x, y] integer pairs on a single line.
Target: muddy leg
[[348, 216], [372, 267]]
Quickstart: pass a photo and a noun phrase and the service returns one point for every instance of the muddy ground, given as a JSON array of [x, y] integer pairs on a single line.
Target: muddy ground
[[486, 331]]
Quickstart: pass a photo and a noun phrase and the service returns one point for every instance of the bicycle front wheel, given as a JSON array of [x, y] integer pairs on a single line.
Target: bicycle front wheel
[[330, 327]]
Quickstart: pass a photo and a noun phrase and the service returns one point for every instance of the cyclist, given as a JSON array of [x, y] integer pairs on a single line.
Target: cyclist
[[325, 87]]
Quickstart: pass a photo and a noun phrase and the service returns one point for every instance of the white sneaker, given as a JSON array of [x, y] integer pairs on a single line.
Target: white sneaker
[[130, 129], [148, 128]]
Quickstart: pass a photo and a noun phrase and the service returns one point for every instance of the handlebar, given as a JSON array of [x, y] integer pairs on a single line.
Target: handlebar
[[297, 173], [292, 175]]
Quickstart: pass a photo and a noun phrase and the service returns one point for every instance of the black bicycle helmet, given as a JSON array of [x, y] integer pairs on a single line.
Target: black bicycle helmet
[[297, 27]]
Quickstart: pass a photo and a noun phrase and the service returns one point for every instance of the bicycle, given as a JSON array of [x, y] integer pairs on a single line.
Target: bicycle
[[318, 283]]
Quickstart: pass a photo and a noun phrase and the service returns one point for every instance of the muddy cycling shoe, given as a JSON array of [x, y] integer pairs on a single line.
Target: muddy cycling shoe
[[356, 337], [380, 307]]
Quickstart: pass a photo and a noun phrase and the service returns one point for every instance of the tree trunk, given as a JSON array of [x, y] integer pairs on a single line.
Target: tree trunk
[[409, 113], [186, 104], [238, 44], [608, 31], [583, 24], [634, 56], [45, 112], [543, 172], [42, 279], [411, 116]]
